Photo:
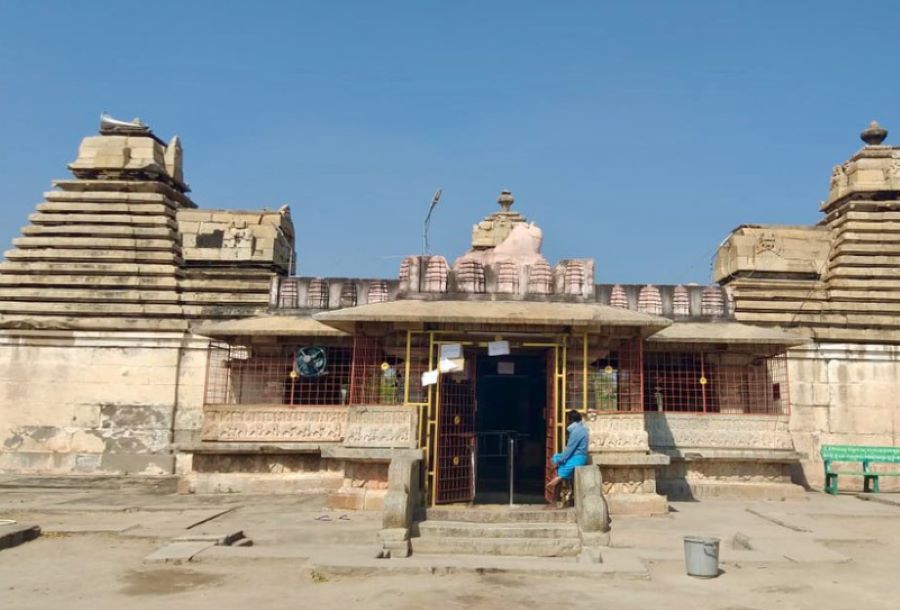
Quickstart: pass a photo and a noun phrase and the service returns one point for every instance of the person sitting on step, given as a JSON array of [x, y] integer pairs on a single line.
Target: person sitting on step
[[575, 454]]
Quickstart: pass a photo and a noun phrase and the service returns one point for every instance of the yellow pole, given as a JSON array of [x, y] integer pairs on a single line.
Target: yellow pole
[[436, 393], [584, 374], [406, 373]]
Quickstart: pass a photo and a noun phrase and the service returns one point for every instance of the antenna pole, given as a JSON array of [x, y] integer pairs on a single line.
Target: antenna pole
[[434, 202]]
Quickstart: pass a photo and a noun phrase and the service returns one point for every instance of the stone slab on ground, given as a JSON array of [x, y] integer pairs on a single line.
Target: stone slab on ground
[[149, 484], [220, 538], [356, 562], [177, 552], [14, 534]]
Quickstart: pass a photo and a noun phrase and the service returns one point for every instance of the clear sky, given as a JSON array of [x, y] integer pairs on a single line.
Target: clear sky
[[637, 133]]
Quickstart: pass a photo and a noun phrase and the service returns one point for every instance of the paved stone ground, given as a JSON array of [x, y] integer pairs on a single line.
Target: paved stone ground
[[106, 548]]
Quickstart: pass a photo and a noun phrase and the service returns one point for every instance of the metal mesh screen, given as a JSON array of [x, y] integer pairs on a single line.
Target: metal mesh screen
[[364, 373], [715, 382]]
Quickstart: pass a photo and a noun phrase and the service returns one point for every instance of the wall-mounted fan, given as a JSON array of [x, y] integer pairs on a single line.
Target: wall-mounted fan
[[310, 361]]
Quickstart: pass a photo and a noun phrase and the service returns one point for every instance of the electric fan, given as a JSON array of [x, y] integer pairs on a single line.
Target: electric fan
[[310, 361]]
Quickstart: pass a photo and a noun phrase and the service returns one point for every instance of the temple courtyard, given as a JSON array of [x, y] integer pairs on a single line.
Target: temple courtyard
[[106, 543]]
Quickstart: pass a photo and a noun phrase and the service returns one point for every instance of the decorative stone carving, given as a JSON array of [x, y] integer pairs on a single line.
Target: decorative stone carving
[[470, 276], [238, 235], [436, 274], [617, 432], [507, 277], [629, 480], [377, 292], [874, 134], [650, 301], [681, 301], [493, 230], [317, 296], [540, 278], [618, 297], [273, 423], [348, 294], [574, 278], [718, 431], [405, 264], [381, 426], [173, 157], [712, 303], [838, 177]]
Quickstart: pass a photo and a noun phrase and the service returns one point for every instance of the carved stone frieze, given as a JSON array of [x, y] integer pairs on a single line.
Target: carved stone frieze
[[382, 426], [617, 432], [669, 430], [273, 423]]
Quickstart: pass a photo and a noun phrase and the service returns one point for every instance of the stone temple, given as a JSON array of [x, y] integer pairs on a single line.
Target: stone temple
[[143, 335]]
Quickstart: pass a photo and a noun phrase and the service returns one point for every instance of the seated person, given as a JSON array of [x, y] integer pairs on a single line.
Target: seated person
[[575, 454]]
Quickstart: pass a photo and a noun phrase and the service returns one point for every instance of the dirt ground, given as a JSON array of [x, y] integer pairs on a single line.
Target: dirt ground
[[819, 553]]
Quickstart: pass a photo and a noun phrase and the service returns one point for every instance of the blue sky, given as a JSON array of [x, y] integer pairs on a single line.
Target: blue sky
[[637, 133]]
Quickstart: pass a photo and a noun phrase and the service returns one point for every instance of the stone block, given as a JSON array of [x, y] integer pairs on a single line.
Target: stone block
[[374, 499], [347, 499], [14, 534], [808, 419], [637, 504], [591, 508], [381, 426]]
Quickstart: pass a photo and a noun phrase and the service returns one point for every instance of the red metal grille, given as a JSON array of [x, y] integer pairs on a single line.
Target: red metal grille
[[376, 377], [456, 440], [615, 383], [715, 382], [363, 373]]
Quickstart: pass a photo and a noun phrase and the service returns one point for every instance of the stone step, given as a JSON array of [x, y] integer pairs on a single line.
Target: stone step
[[525, 530], [14, 534], [500, 515], [523, 547]]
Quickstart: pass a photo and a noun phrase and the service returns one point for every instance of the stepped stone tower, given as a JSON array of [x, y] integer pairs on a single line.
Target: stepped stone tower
[[100, 370], [103, 249], [839, 282]]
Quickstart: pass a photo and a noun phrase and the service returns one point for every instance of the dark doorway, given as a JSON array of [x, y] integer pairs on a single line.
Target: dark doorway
[[512, 396]]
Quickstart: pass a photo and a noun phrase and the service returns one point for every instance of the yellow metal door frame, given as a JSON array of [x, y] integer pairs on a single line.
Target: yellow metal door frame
[[429, 409]]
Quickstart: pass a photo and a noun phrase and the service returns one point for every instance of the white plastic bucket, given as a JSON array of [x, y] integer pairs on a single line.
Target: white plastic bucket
[[701, 556]]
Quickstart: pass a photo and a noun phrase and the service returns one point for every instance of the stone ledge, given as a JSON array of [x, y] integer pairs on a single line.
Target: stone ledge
[[637, 504], [627, 460], [693, 489], [216, 447], [732, 455], [368, 454]]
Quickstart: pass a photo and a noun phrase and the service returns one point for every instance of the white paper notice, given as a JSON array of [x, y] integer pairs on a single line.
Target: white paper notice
[[498, 348], [506, 368], [451, 365], [451, 350], [429, 377]]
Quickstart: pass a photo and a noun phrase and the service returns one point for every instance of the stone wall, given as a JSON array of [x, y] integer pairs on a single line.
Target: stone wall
[[843, 393], [98, 402]]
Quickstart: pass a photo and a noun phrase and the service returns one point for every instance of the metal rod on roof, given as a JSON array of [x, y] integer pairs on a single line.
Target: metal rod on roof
[[434, 202]]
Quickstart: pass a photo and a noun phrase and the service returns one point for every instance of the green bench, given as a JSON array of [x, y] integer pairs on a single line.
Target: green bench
[[847, 454]]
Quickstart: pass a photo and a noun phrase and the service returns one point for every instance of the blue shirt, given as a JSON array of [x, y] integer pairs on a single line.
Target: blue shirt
[[577, 445]]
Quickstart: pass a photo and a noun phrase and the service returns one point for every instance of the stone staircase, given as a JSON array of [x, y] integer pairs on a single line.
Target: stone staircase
[[519, 531]]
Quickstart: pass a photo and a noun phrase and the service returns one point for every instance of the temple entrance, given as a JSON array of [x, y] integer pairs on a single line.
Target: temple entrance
[[511, 428], [495, 422]]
